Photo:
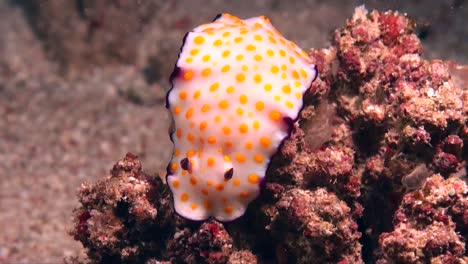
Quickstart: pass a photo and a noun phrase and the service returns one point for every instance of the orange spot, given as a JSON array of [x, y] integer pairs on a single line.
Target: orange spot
[[240, 111], [206, 57], [205, 108], [190, 153], [228, 144], [193, 206], [203, 125], [194, 52], [179, 133], [258, 37], [284, 75], [230, 89], [226, 34], [256, 124], [272, 39], [295, 75], [240, 77], [190, 137], [184, 197], [245, 67], [211, 140], [226, 53], [238, 39], [208, 30], [210, 161], [223, 104], [183, 95], [286, 89], [200, 152], [226, 130], [291, 59], [297, 84], [239, 57], [196, 94], [175, 183], [275, 115], [217, 42], [259, 105], [243, 128], [228, 209], [219, 186], [274, 69], [199, 40], [265, 141], [244, 195], [240, 157], [250, 47], [303, 73], [289, 104], [258, 57], [206, 72], [282, 52], [193, 180], [236, 182], [204, 191], [176, 153], [214, 86], [277, 97], [258, 158], [227, 158], [253, 178], [217, 119], [177, 110], [248, 145], [270, 53], [188, 75], [284, 67], [298, 95], [267, 87], [189, 60], [257, 78], [225, 68], [243, 31], [174, 166], [189, 113], [209, 183], [243, 99], [207, 204]]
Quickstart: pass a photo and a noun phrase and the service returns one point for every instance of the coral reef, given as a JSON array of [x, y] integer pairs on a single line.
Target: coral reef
[[373, 171], [125, 215], [430, 225]]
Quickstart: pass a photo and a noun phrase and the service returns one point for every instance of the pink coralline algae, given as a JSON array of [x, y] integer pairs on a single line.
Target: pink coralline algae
[[429, 225], [310, 222]]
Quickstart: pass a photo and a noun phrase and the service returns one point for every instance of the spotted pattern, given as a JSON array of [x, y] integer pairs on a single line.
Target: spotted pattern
[[235, 84]]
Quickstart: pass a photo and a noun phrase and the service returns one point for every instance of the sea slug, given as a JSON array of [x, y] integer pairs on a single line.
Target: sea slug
[[236, 89]]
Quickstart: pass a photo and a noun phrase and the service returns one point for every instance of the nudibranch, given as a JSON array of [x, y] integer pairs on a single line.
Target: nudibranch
[[236, 89]]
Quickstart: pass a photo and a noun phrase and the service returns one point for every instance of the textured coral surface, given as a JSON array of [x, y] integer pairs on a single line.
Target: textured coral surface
[[378, 154], [373, 171]]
